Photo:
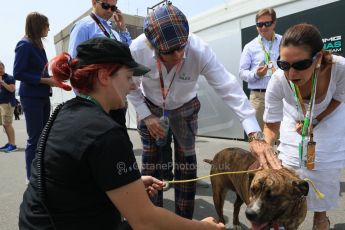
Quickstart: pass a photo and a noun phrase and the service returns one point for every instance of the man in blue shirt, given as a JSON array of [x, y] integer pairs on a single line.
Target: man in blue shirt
[[7, 104], [97, 24], [259, 60]]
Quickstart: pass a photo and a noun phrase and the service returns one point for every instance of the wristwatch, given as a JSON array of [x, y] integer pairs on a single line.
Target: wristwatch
[[259, 136]]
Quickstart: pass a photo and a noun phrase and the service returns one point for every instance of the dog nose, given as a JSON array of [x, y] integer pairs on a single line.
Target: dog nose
[[251, 214]]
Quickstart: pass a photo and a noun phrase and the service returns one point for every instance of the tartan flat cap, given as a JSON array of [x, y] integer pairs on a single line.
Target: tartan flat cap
[[166, 28]]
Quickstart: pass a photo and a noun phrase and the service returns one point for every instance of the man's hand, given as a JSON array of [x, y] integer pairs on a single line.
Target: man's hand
[[152, 185], [262, 71], [153, 125], [118, 18], [265, 154]]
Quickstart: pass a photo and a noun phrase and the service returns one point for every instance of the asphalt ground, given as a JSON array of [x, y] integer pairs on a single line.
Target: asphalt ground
[[12, 182]]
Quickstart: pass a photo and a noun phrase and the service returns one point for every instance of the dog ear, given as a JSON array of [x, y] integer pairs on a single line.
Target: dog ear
[[301, 186]]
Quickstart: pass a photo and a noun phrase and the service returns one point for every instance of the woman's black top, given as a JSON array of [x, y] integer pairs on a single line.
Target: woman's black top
[[86, 154]]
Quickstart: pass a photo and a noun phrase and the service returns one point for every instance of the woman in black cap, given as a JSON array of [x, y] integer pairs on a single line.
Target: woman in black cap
[[85, 175]]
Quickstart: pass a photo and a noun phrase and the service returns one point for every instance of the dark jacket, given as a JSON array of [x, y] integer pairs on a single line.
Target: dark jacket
[[29, 68]]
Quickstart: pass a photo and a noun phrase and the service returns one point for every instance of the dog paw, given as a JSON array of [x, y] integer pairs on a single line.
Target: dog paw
[[237, 227]]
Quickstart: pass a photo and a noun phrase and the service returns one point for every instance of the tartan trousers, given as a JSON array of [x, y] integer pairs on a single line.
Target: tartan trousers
[[183, 125]]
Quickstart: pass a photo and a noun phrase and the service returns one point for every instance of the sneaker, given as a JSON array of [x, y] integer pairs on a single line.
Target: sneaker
[[10, 148], [4, 147]]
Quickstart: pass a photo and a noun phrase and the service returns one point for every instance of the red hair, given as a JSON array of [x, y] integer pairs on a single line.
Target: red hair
[[82, 78]]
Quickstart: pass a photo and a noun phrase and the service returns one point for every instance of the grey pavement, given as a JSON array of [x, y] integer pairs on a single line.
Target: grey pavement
[[12, 182]]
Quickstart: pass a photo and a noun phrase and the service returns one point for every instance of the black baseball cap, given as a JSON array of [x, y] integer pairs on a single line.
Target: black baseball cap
[[103, 50]]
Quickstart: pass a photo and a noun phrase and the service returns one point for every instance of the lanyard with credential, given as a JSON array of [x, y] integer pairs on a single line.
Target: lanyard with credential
[[90, 98], [101, 26], [307, 128], [163, 91], [267, 53]]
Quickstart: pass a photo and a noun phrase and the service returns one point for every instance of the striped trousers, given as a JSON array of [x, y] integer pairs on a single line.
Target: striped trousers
[[183, 125]]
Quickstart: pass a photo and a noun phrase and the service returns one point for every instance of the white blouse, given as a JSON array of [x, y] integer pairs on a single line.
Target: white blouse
[[329, 134]]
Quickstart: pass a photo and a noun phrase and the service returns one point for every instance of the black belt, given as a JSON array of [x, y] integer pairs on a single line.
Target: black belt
[[259, 90]]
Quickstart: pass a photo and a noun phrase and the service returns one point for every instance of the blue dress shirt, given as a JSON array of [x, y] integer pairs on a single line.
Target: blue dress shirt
[[86, 28], [252, 56]]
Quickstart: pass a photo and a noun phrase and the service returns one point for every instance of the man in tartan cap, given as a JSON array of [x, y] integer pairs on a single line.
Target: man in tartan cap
[[177, 58]]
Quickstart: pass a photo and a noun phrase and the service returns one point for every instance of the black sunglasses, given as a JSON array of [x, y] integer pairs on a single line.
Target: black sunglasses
[[261, 24], [299, 65], [171, 51], [106, 6]]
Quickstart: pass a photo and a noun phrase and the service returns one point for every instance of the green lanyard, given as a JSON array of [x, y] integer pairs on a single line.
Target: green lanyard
[[307, 126], [90, 98], [267, 53]]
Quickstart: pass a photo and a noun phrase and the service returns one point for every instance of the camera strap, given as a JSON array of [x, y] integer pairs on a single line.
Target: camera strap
[[101, 27]]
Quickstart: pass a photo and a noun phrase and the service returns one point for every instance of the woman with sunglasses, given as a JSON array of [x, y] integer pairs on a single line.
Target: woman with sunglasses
[[305, 102]]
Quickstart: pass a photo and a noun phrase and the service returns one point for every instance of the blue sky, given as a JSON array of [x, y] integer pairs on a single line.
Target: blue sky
[[62, 12]]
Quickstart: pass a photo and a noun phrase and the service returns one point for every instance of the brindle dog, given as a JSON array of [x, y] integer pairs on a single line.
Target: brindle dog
[[272, 196]]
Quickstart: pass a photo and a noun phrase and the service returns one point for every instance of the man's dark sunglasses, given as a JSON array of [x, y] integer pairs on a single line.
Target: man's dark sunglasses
[[172, 51], [299, 65], [106, 6], [261, 24]]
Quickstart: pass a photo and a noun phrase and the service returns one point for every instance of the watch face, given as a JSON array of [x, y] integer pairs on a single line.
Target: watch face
[[256, 136], [259, 136]]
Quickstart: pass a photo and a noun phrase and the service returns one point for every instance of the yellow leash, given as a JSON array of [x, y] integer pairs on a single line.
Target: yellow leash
[[209, 176], [319, 194]]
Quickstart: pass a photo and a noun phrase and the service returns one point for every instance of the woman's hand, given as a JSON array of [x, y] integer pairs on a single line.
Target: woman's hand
[[52, 82], [265, 154], [214, 223], [153, 125], [152, 185], [298, 128]]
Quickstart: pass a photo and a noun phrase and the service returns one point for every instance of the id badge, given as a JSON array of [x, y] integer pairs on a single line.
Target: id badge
[[270, 71], [310, 164]]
